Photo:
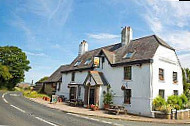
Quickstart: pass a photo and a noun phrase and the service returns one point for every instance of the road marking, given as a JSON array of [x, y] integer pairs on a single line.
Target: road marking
[[18, 108], [3, 96], [103, 121], [14, 94], [45, 121]]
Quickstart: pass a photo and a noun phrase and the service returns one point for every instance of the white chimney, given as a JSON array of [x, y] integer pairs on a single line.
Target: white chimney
[[83, 47], [126, 35]]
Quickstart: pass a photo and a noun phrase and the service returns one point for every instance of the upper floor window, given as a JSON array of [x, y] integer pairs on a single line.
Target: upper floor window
[[127, 73], [88, 61], [73, 77], [161, 74], [175, 77], [127, 96], [77, 63], [128, 55]]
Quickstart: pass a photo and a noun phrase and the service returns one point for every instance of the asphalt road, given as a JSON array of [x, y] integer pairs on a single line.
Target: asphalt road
[[19, 111]]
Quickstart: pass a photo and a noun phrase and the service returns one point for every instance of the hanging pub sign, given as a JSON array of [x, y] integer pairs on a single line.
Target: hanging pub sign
[[96, 61]]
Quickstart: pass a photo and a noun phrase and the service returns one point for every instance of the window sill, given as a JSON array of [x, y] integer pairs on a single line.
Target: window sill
[[127, 105], [162, 81], [175, 83], [127, 80]]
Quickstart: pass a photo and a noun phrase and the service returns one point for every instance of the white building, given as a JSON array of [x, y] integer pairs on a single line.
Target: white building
[[137, 71]]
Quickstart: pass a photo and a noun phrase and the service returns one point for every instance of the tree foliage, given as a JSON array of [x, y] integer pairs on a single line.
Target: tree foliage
[[186, 82], [14, 63]]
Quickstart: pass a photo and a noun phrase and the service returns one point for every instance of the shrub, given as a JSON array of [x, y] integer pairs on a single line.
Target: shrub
[[166, 108], [184, 100], [175, 101], [158, 102]]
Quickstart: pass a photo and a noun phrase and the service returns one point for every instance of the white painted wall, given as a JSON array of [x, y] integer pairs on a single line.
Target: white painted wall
[[167, 60], [66, 79], [139, 85], [144, 85]]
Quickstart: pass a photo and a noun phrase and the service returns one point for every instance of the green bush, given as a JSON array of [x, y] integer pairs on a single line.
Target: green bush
[[166, 108], [184, 100], [175, 102], [158, 102]]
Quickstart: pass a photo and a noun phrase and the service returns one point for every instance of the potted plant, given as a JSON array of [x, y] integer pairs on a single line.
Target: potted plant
[[108, 97], [94, 107]]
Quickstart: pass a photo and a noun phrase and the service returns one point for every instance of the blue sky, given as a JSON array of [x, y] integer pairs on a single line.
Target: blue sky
[[49, 31]]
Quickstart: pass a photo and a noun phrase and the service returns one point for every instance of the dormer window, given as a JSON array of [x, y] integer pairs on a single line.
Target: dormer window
[[88, 61], [77, 63], [128, 55]]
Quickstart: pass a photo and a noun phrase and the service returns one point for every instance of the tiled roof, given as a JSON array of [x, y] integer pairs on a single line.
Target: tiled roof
[[143, 50], [56, 76], [98, 77]]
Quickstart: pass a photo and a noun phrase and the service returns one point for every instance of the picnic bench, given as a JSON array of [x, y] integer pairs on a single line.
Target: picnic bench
[[75, 102], [117, 109]]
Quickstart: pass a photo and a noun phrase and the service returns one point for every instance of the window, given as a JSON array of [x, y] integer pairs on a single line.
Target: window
[[175, 92], [77, 63], [175, 77], [127, 96], [127, 73], [128, 55], [161, 93], [73, 77], [58, 86], [88, 61], [161, 74]]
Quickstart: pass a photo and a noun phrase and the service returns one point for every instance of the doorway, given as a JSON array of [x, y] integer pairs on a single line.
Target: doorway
[[91, 98], [73, 93]]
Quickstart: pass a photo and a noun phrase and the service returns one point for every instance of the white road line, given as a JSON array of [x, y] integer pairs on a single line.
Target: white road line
[[50, 123], [3, 96], [18, 108]]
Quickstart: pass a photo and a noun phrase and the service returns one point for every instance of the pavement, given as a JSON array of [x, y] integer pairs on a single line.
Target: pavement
[[15, 110], [103, 114]]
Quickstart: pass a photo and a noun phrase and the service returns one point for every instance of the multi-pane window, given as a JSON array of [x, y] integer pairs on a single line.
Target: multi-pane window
[[161, 74], [127, 96], [175, 92], [161, 93], [77, 63], [175, 77], [73, 77], [127, 73]]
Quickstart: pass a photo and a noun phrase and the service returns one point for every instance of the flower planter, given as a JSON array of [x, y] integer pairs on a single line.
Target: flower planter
[[106, 106]]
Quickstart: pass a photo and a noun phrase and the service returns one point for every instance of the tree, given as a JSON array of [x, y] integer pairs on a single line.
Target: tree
[[186, 82], [17, 63], [43, 79], [4, 75]]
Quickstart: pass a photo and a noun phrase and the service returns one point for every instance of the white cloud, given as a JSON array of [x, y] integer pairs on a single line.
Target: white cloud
[[171, 21], [36, 54], [103, 36]]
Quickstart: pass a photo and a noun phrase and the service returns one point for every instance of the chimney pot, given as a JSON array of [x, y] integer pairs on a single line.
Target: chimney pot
[[126, 35], [83, 47]]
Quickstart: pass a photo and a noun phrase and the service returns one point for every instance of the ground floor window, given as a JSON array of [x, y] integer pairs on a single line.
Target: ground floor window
[[162, 93], [58, 86], [79, 91], [127, 96], [175, 92]]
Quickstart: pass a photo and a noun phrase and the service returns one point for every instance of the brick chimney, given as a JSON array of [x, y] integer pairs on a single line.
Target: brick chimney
[[83, 47], [126, 35]]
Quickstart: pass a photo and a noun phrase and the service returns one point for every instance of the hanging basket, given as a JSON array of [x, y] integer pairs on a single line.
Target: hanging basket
[[123, 87]]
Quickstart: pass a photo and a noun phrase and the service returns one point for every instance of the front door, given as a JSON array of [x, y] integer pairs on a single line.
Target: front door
[[73, 93], [91, 98]]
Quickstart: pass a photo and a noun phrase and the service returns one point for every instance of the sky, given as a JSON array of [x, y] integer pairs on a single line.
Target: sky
[[50, 31]]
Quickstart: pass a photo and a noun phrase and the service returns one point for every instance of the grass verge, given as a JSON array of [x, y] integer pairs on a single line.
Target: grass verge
[[31, 94]]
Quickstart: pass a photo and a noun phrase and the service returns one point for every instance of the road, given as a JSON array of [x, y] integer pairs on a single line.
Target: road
[[15, 110]]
